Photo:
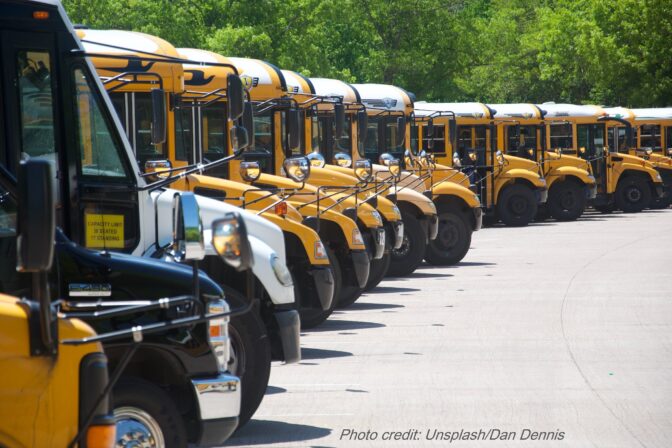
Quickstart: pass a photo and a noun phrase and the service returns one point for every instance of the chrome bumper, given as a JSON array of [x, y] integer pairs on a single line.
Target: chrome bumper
[[218, 397], [591, 191], [398, 230], [378, 242]]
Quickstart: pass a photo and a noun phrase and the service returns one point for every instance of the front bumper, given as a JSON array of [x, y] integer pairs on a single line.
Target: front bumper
[[323, 279], [591, 191], [377, 243], [478, 218], [542, 195], [397, 233], [218, 401], [289, 329], [361, 263], [432, 226]]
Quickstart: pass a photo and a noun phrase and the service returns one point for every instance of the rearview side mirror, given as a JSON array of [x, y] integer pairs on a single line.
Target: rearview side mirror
[[235, 94], [239, 138], [248, 123], [187, 228], [36, 217], [362, 127], [159, 118], [293, 129], [401, 131], [229, 238], [452, 129], [339, 119]]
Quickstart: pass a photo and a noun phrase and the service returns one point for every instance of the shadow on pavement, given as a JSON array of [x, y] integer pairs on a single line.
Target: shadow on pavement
[[272, 390], [364, 306], [318, 353], [344, 325], [262, 432], [392, 289]]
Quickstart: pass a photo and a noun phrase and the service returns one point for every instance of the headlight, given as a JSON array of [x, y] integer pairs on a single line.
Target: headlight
[[377, 217], [218, 333], [320, 251], [357, 237], [280, 270], [342, 159], [396, 211]]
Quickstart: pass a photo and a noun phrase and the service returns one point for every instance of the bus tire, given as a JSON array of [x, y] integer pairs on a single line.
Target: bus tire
[[408, 257], [517, 205], [566, 200], [312, 317], [142, 410], [633, 194], [378, 271], [453, 241], [250, 355]]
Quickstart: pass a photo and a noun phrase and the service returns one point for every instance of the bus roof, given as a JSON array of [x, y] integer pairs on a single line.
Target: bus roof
[[469, 110], [138, 44], [335, 87], [204, 78], [516, 110], [265, 81], [564, 110], [653, 113], [385, 96]]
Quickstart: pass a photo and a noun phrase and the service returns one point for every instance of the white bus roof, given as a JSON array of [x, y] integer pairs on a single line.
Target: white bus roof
[[653, 113], [471, 110], [335, 87], [384, 96], [561, 110]]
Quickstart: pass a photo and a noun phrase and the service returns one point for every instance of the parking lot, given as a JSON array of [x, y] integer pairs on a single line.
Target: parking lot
[[555, 332]]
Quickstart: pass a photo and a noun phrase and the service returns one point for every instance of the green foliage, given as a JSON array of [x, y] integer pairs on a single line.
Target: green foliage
[[581, 51]]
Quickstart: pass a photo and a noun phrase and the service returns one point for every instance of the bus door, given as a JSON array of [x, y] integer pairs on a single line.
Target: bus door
[[591, 147]]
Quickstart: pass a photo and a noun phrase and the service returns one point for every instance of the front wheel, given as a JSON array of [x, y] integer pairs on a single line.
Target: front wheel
[[566, 201], [250, 355], [378, 271], [517, 205], [146, 416], [311, 317], [453, 241], [408, 257], [633, 195]]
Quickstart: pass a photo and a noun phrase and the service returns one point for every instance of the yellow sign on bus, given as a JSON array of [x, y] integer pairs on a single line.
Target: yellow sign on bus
[[104, 231]]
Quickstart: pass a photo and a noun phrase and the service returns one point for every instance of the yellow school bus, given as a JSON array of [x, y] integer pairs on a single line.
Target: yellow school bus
[[648, 129], [624, 181], [354, 231], [520, 133], [344, 153], [510, 188]]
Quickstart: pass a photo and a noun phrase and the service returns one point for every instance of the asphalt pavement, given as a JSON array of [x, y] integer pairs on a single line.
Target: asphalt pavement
[[557, 334]]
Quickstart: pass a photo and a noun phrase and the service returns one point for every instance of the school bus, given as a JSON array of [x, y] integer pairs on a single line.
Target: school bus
[[624, 181], [520, 133], [278, 119], [647, 132], [344, 153], [135, 69], [49, 393], [510, 188]]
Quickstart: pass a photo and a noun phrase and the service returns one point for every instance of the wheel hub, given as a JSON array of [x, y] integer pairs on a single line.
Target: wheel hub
[[518, 205], [137, 429], [633, 195], [448, 234], [403, 250]]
